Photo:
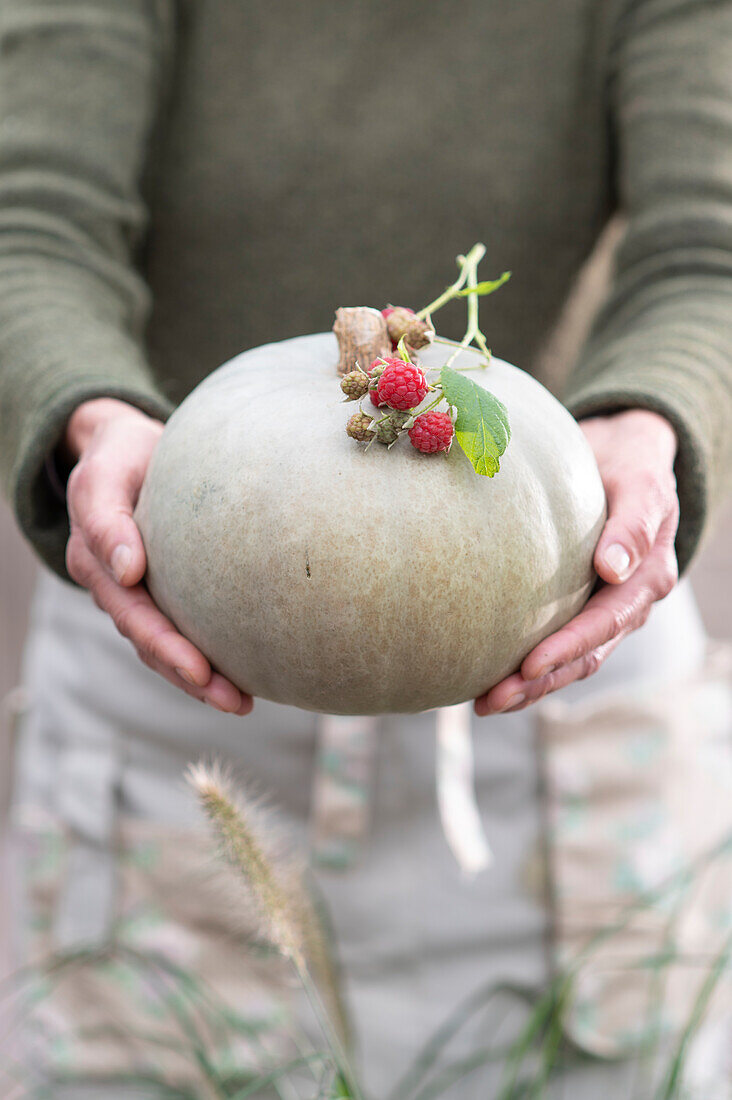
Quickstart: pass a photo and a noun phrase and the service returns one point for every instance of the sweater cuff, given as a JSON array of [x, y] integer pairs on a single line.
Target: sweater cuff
[[40, 498], [603, 396]]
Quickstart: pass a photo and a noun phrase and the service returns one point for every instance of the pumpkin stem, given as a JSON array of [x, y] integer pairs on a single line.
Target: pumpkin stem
[[362, 337]]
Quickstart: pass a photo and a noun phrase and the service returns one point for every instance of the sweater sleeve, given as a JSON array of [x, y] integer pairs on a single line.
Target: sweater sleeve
[[664, 338], [80, 83]]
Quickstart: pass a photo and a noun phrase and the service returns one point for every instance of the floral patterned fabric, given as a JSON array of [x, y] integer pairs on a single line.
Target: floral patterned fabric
[[639, 804], [181, 966], [112, 847]]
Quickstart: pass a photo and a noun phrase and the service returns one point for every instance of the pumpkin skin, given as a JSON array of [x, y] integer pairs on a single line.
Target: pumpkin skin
[[316, 573]]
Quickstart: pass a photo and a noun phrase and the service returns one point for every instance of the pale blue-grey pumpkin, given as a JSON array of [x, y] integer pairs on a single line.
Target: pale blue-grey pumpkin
[[318, 573]]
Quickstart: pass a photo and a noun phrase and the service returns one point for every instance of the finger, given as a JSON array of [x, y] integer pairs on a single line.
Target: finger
[[137, 618], [514, 693], [218, 692], [637, 509], [101, 495], [612, 612], [155, 638], [504, 695]]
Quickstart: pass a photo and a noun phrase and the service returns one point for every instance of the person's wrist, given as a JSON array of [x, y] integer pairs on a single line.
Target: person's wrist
[[647, 423], [87, 418]]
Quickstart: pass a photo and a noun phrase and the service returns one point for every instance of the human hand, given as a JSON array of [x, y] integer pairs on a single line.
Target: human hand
[[111, 443], [635, 556]]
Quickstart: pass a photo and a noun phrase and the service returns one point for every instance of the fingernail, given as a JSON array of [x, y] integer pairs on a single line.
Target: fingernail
[[514, 701], [186, 675], [121, 558], [618, 559]]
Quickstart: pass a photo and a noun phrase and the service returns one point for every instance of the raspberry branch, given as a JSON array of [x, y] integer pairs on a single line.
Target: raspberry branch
[[398, 383], [472, 332], [476, 254]]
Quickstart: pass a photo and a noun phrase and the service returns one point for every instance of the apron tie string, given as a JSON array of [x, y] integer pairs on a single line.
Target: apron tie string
[[341, 802]]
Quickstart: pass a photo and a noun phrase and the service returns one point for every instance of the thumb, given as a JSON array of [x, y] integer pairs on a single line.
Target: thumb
[[636, 510], [101, 498]]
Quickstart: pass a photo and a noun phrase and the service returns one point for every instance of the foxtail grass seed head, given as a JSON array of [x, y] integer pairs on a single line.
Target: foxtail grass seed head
[[235, 825]]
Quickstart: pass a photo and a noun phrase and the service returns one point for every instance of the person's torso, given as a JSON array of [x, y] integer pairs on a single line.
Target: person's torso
[[315, 155]]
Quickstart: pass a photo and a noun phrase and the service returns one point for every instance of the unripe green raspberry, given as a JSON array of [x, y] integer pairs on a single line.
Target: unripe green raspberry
[[386, 431], [359, 427], [387, 428], [355, 384]]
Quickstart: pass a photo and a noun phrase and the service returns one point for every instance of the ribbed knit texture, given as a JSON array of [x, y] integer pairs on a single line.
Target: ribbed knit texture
[[182, 179]]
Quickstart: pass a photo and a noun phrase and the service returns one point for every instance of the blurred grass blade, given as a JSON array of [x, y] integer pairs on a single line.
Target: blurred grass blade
[[270, 1078], [670, 1089]]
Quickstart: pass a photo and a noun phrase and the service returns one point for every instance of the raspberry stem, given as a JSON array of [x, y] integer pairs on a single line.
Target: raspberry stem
[[473, 258], [473, 331], [400, 391], [432, 404]]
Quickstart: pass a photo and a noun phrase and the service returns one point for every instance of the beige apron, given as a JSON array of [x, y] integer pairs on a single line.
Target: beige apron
[[587, 801]]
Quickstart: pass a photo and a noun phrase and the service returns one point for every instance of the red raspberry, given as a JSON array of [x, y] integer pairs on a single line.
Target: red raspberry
[[432, 431], [402, 385], [374, 372]]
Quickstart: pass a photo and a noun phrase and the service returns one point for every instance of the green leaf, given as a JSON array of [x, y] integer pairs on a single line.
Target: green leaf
[[402, 349], [481, 427], [486, 287]]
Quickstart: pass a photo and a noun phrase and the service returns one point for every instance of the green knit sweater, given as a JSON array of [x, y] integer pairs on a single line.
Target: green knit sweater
[[183, 179]]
